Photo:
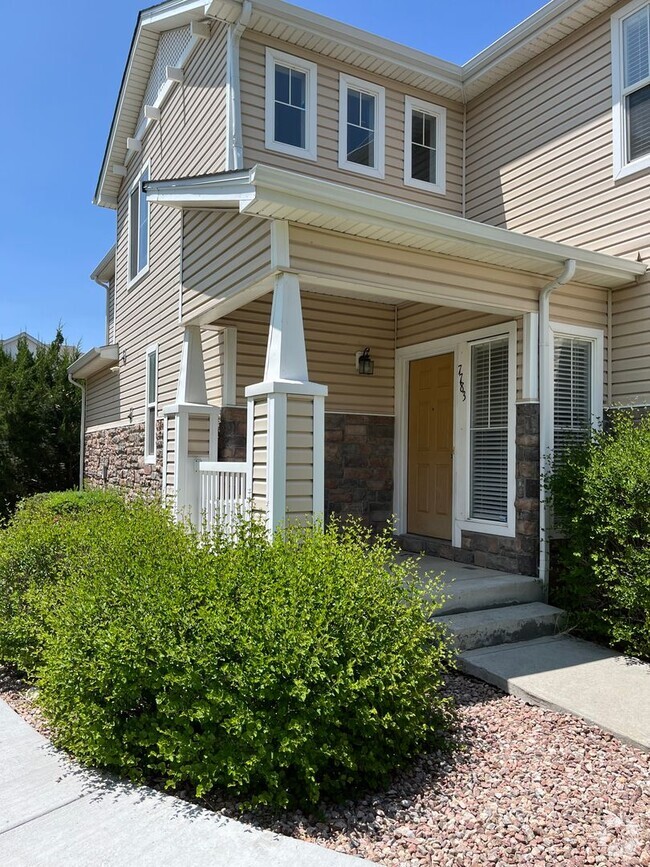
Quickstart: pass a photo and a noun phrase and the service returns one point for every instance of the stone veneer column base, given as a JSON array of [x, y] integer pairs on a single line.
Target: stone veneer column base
[[114, 458]]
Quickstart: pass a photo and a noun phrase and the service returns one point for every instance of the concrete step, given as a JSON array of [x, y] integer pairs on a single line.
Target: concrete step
[[506, 625], [498, 591]]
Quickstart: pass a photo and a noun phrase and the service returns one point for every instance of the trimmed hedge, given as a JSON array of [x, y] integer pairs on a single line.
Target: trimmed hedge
[[601, 500], [283, 670]]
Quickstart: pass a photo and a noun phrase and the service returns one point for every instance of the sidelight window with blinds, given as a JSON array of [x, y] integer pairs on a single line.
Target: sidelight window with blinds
[[631, 87], [572, 391], [489, 431]]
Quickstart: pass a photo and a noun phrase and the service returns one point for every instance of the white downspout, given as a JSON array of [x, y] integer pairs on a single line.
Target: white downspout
[[546, 406], [82, 444], [235, 144]]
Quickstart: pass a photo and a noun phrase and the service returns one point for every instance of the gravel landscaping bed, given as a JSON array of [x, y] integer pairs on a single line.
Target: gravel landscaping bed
[[528, 786]]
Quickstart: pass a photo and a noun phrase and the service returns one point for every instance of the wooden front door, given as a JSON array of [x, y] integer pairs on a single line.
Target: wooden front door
[[430, 446]]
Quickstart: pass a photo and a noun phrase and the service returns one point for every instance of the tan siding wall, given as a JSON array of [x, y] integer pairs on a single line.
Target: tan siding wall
[[103, 398], [189, 139], [631, 345], [326, 166], [540, 156], [260, 456], [221, 252], [213, 360], [335, 329], [300, 457]]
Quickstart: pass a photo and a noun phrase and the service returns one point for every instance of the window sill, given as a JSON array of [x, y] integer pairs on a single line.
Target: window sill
[[358, 169], [130, 284], [150, 459], [434, 189], [290, 150], [489, 528]]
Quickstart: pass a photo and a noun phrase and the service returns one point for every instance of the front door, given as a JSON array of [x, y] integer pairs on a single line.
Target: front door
[[430, 446]]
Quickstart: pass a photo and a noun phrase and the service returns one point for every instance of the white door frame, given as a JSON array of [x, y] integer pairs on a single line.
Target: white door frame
[[458, 344]]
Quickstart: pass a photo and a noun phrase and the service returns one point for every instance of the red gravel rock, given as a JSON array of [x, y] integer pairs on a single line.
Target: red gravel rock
[[528, 786]]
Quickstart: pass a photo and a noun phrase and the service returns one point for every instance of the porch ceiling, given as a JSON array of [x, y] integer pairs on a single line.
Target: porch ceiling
[[277, 194]]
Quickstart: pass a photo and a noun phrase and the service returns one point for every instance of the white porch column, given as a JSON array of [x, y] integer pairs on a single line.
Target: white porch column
[[286, 420], [194, 425]]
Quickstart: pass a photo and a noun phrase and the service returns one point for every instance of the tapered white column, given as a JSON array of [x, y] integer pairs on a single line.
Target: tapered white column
[[286, 427]]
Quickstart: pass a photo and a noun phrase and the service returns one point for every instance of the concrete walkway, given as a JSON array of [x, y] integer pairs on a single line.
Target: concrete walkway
[[53, 813], [567, 674]]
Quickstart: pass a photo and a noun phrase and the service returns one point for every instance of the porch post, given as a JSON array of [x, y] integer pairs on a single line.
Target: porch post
[[195, 425], [286, 420]]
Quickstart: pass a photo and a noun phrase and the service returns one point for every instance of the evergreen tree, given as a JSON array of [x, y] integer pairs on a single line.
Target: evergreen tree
[[40, 414]]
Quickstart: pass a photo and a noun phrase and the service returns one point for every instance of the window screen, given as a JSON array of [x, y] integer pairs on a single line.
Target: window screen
[[636, 82], [423, 146], [572, 410], [361, 127], [290, 106]]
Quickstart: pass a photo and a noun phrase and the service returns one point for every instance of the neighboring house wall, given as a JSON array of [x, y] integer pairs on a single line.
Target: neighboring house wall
[[540, 153], [326, 166]]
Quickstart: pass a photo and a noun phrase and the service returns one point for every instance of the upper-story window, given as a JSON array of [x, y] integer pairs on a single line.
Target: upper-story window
[[424, 145], [362, 109], [631, 88], [291, 90], [138, 228]]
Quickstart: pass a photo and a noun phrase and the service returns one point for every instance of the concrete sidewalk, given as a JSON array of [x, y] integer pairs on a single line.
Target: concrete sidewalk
[[52, 812], [567, 674]]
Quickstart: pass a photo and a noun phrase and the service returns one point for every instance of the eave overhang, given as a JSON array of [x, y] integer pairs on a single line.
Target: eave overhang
[[105, 270], [94, 361], [277, 194]]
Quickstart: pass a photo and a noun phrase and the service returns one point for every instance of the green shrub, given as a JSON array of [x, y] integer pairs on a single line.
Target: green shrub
[[601, 501], [39, 545], [282, 671]]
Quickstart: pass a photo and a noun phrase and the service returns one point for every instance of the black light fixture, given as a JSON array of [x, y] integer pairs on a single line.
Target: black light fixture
[[365, 364]]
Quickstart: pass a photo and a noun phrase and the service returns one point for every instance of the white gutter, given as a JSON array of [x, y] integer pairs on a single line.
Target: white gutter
[[235, 148], [82, 437], [546, 407]]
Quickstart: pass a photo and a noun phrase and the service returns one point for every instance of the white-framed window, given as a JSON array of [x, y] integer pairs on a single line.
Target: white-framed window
[[362, 115], [151, 404], [631, 88], [138, 254], [577, 383], [425, 134], [291, 110]]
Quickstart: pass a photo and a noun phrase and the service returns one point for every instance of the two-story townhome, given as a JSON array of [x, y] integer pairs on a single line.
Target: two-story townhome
[[353, 278]]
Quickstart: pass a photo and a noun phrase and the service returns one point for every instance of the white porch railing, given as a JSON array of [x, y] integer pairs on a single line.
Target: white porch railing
[[222, 492]]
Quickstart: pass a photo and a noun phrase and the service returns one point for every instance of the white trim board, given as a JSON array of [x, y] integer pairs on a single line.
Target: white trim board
[[458, 344]]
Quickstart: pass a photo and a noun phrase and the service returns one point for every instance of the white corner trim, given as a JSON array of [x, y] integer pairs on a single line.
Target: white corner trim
[[280, 254], [310, 151], [318, 458], [530, 359], [459, 345], [346, 82], [440, 113], [276, 465]]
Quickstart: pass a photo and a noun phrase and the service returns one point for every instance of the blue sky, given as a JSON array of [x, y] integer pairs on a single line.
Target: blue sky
[[62, 73]]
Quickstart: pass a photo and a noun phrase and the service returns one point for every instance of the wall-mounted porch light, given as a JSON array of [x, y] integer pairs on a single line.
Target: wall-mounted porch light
[[120, 361], [365, 364]]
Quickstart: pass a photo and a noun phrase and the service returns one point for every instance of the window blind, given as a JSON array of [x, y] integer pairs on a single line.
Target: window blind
[[572, 408], [636, 47], [489, 431]]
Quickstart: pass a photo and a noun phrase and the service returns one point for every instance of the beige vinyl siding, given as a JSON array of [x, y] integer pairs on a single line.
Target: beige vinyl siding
[[189, 139], [326, 166], [198, 436], [631, 345], [260, 456], [335, 330], [300, 458], [540, 157], [222, 252], [102, 398]]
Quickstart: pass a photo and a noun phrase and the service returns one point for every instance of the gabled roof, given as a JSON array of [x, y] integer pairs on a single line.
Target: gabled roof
[[273, 193], [306, 29]]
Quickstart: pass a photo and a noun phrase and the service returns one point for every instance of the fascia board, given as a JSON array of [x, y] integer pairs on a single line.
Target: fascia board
[[95, 360], [106, 268], [384, 211]]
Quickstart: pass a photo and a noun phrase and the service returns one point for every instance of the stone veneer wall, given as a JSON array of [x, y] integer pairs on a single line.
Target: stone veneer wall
[[231, 442], [519, 554], [114, 457]]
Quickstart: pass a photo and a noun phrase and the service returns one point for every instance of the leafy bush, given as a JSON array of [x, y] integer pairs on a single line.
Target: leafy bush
[[282, 670], [38, 546], [601, 501]]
